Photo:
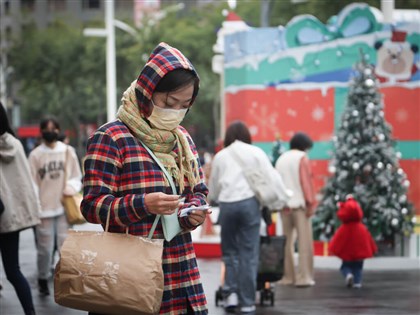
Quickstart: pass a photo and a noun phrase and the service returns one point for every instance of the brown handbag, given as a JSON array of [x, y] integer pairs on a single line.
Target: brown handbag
[[110, 273], [71, 204]]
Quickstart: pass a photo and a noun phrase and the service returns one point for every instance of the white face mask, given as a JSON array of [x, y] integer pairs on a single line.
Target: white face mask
[[166, 118]]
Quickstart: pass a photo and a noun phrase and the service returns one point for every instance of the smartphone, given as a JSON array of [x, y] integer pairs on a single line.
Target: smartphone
[[187, 211]]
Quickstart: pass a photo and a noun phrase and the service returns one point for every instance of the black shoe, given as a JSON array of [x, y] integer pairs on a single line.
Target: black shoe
[[43, 287]]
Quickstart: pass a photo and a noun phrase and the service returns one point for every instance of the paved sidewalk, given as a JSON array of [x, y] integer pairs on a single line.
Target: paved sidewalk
[[384, 292]]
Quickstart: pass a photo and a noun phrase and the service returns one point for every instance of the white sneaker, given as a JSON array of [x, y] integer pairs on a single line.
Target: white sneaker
[[357, 285], [231, 301], [248, 309], [349, 280]]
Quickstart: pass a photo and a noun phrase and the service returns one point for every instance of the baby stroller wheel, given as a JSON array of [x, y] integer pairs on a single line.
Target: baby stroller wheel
[[218, 296], [272, 298], [266, 295]]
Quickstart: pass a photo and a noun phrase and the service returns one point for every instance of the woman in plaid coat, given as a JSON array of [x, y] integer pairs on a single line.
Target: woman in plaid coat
[[121, 176]]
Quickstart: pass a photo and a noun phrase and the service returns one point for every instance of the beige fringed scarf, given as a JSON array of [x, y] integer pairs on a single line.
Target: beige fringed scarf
[[161, 142]]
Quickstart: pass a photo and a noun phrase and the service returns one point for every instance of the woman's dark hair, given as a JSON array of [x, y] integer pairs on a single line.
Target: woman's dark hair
[[44, 123], [4, 122], [177, 79], [237, 131], [301, 141]]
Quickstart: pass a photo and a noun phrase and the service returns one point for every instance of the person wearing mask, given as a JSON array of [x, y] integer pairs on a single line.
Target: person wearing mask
[[122, 178], [294, 167], [21, 208], [47, 163], [239, 217]]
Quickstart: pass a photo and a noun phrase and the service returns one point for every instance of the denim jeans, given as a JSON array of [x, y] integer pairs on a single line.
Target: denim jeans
[[9, 248], [353, 267], [49, 231], [240, 225]]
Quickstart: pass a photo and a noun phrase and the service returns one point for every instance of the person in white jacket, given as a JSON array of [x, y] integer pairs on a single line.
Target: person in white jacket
[[47, 162], [21, 208], [240, 216]]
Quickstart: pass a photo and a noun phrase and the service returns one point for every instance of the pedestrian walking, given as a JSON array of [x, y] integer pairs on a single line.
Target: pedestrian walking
[[47, 162], [20, 208], [352, 242], [294, 167], [240, 216], [123, 178]]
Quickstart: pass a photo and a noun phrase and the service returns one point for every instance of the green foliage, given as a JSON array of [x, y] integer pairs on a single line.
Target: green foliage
[[365, 165], [61, 74]]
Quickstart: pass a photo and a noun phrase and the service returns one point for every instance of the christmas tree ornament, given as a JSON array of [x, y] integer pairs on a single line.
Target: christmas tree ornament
[[331, 169], [402, 199], [399, 155], [381, 113], [367, 71], [404, 211], [381, 137], [400, 171], [369, 82], [394, 222], [367, 168], [355, 166], [414, 220], [355, 113], [370, 105], [406, 183], [380, 165], [388, 166], [336, 197]]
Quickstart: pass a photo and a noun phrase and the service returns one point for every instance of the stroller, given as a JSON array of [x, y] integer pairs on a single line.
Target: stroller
[[271, 265], [270, 269]]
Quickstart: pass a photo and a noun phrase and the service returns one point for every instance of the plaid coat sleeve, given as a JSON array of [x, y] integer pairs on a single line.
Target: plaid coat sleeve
[[103, 181]]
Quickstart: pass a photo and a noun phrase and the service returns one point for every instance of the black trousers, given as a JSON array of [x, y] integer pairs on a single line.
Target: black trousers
[[9, 248]]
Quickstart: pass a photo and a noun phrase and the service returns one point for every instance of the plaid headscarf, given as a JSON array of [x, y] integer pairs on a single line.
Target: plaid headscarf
[[136, 105]]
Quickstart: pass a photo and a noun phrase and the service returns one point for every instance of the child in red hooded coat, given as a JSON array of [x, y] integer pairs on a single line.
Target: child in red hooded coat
[[352, 242]]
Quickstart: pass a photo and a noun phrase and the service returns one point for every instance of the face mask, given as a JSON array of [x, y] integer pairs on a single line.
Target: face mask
[[166, 118], [49, 136]]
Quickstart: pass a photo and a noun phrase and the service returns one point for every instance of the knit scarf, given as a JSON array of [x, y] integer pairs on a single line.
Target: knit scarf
[[179, 165]]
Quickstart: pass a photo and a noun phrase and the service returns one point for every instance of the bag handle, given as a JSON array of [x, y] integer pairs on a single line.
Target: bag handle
[[65, 164], [152, 230], [168, 177]]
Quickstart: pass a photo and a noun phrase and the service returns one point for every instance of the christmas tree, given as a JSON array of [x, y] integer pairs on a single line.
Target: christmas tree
[[365, 164]]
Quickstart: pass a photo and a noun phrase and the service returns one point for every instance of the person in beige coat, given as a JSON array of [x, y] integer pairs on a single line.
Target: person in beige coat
[[295, 169], [21, 208], [56, 172]]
